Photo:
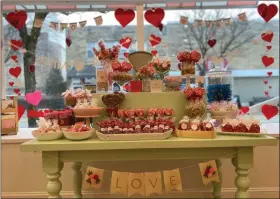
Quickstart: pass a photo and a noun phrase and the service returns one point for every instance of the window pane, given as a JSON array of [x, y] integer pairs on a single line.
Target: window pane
[[58, 67]]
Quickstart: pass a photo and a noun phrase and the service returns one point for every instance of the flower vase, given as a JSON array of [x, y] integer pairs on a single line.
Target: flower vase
[[188, 68]]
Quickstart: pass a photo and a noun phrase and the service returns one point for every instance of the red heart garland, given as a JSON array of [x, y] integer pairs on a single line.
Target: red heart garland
[[245, 109], [14, 57], [126, 54], [126, 42], [154, 16], [269, 73], [21, 111], [154, 40], [266, 93], [267, 12], [212, 43], [68, 41], [265, 81], [32, 68], [16, 44], [269, 111], [124, 17], [268, 48], [16, 90], [154, 52], [267, 61], [11, 83], [270, 87], [17, 19], [267, 36], [15, 71]]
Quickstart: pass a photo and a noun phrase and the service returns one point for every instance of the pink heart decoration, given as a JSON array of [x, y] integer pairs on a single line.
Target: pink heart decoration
[[33, 98]]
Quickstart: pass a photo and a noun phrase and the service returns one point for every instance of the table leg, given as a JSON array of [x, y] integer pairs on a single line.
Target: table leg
[[77, 179], [243, 161], [52, 166], [217, 186]]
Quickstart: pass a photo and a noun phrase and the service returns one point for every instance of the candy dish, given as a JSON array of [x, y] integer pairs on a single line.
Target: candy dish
[[95, 111], [223, 109], [78, 132], [48, 130]]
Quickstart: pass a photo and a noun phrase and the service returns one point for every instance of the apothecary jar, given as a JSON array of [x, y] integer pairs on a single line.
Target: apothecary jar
[[219, 85]]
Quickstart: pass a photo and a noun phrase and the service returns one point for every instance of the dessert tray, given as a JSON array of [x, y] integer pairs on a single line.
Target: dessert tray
[[134, 136], [196, 134], [262, 133]]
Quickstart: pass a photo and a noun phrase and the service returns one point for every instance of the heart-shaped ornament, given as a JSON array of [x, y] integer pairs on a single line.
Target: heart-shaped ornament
[[12, 97], [32, 68], [16, 44], [266, 93], [267, 36], [267, 61], [267, 12], [17, 19], [21, 111], [16, 91], [154, 40], [14, 58], [270, 87], [212, 43], [33, 98], [154, 16], [154, 52], [126, 42], [245, 109], [68, 41], [15, 71], [269, 73], [126, 54], [269, 111], [160, 27], [11, 83], [124, 17], [265, 81], [268, 48]]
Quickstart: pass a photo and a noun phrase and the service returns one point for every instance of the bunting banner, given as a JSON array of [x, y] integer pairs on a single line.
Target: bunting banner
[[82, 24], [93, 178], [172, 180], [153, 183], [184, 20], [136, 184], [227, 21], [98, 20], [242, 17], [63, 26], [73, 26], [119, 183], [209, 172], [54, 25]]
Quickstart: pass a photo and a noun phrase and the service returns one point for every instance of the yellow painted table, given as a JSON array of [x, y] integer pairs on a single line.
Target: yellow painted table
[[239, 149], [55, 153]]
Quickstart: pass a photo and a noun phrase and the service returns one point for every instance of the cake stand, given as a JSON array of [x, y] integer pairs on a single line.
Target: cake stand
[[87, 119]]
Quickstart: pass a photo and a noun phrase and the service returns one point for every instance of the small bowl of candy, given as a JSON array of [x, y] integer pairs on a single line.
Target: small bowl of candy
[[78, 132], [223, 109], [48, 130]]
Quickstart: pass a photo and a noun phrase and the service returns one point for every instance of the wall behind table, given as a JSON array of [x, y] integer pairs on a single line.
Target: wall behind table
[[22, 175]]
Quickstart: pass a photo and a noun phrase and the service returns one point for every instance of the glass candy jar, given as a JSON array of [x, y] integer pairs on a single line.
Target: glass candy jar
[[219, 85]]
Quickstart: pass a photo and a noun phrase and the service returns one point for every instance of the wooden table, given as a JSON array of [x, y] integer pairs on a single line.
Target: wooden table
[[55, 153]]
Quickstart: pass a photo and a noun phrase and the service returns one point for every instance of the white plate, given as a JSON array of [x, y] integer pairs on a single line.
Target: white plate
[[47, 136], [134, 136], [78, 135], [219, 131]]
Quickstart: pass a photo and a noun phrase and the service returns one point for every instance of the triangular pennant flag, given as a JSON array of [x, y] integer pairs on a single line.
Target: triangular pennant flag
[[172, 180], [63, 26], [38, 23], [82, 23], [54, 25], [198, 23], [93, 178], [184, 20], [219, 23], [209, 172], [119, 183], [136, 184], [227, 21], [153, 183], [242, 17], [98, 20], [73, 26]]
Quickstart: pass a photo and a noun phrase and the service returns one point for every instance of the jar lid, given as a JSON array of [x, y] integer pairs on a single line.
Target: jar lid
[[217, 71]]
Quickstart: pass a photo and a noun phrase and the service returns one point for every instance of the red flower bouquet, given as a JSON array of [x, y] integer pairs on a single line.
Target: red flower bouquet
[[187, 62]]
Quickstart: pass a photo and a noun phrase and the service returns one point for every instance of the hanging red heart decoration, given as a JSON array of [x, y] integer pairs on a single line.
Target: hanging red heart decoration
[[265, 81], [21, 111], [32, 68], [269, 111], [12, 97], [11, 83], [212, 43], [124, 17], [126, 42], [245, 109], [19, 94], [16, 44], [16, 90], [267, 36], [269, 73], [14, 57], [17, 19], [266, 93], [270, 87], [154, 52], [267, 61], [154, 40], [154, 16], [125, 54], [15, 71], [267, 12], [268, 48], [68, 41]]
